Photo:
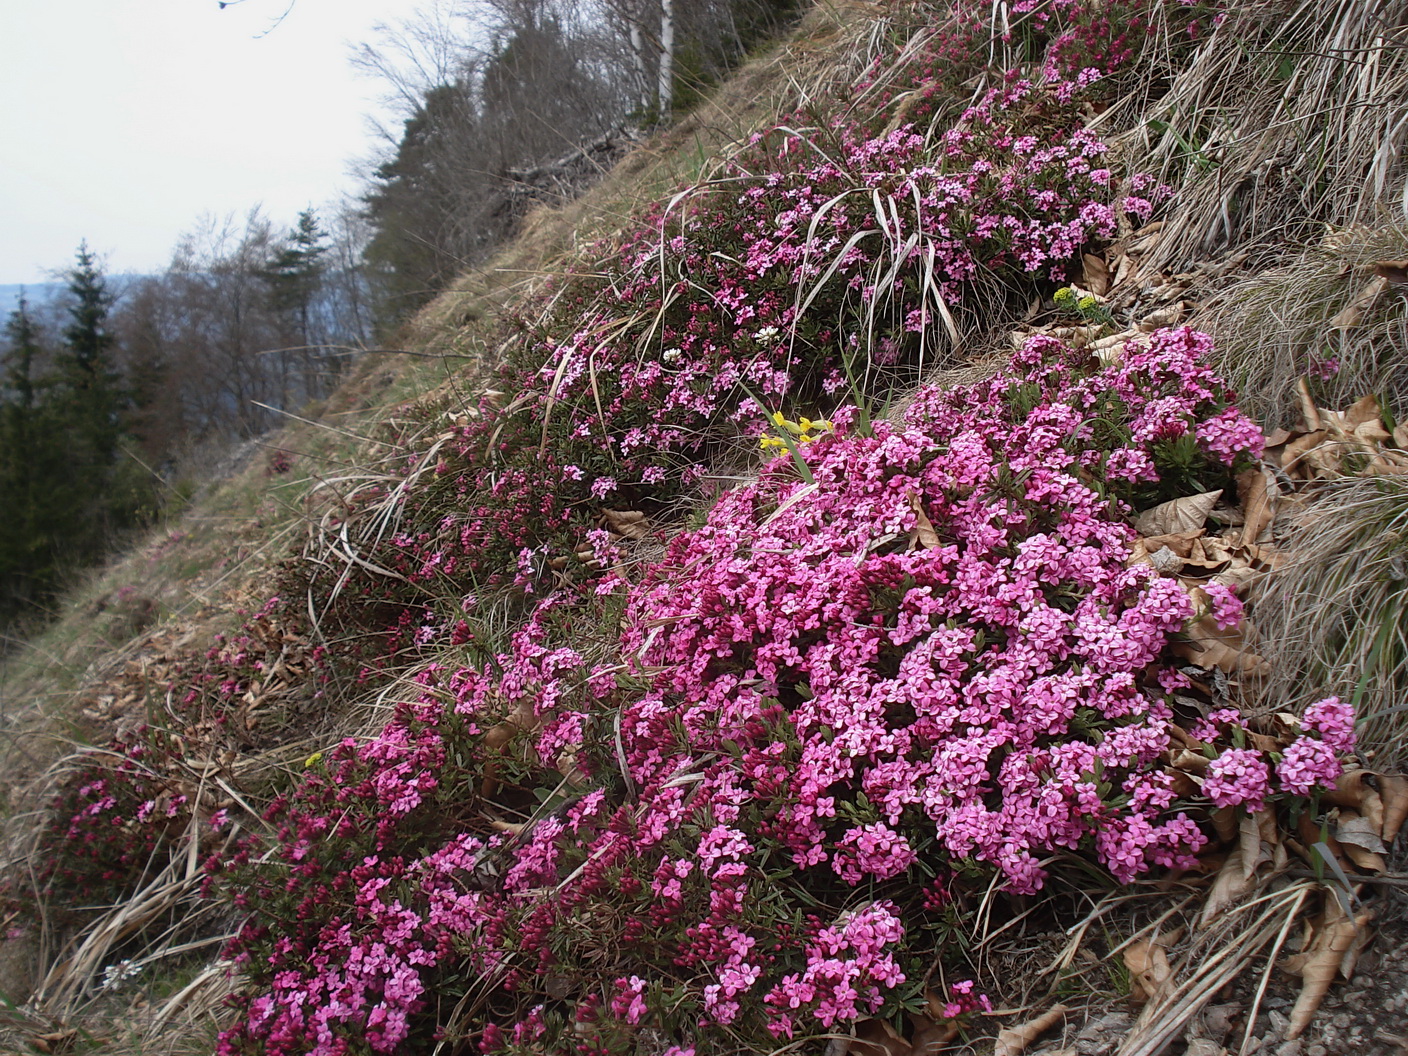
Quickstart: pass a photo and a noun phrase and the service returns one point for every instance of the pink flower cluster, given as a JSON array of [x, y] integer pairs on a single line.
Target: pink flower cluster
[[638, 377], [931, 658], [1311, 762]]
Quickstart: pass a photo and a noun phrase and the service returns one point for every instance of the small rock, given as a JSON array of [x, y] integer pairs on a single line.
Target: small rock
[[1290, 1048], [1280, 1023], [1317, 1050]]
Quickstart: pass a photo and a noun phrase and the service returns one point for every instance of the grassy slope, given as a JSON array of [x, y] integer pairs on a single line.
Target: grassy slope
[[188, 580]]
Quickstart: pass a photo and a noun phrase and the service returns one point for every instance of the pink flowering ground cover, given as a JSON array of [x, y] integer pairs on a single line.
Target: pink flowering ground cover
[[832, 709], [746, 790]]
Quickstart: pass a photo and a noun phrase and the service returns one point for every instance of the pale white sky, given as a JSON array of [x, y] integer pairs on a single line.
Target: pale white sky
[[123, 121]]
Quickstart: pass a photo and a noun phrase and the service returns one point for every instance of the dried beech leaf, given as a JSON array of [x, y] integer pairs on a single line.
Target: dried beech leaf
[[1012, 1041], [1224, 822], [1256, 492], [875, 1037], [923, 533], [1372, 434], [1354, 831], [1207, 646], [1364, 410], [1293, 455], [1400, 435], [629, 523], [933, 1039], [1320, 963], [1259, 841], [1148, 968], [1178, 515], [1097, 274], [1393, 790], [1396, 271], [1364, 861], [1181, 543], [1229, 887]]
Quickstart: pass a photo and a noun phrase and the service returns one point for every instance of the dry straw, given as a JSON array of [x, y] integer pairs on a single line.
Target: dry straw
[[1289, 117]]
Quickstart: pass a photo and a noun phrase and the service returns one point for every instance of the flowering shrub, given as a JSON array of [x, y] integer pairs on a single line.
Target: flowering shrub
[[821, 251], [744, 791], [927, 666], [125, 810]]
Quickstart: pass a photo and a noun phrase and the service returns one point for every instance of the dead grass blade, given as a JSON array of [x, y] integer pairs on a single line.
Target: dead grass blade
[[1333, 617], [1214, 957]]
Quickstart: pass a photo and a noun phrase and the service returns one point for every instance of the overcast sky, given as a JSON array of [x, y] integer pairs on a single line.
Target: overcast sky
[[123, 121]]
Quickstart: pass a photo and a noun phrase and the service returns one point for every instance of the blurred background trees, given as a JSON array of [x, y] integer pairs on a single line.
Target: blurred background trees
[[107, 391]]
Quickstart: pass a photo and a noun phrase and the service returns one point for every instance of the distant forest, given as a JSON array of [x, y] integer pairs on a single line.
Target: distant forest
[[107, 389]]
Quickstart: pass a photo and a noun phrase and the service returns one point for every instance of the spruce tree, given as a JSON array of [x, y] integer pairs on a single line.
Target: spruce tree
[[295, 272], [34, 482], [97, 399]]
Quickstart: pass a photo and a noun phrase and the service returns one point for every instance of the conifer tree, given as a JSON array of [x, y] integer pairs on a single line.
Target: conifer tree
[[33, 480], [97, 401], [295, 273]]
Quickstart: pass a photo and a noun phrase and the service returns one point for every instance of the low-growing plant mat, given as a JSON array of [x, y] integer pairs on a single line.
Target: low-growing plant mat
[[676, 667]]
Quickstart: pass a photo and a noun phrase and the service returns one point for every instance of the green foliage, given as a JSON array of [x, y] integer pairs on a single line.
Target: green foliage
[[295, 272], [65, 483]]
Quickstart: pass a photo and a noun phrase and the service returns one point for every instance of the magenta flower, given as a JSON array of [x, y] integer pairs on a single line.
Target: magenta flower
[[1238, 777]]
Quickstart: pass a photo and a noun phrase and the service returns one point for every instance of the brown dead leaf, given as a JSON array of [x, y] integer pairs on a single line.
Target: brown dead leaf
[[1012, 1041], [1393, 791], [875, 1037], [1359, 838], [1256, 493], [1149, 969], [1178, 515], [632, 524], [1293, 455], [1362, 412], [1181, 543], [1358, 790], [1097, 274], [1231, 885], [1207, 646], [1400, 435], [933, 1039], [1332, 940], [1259, 840], [1353, 313], [1396, 271], [1308, 411], [922, 533]]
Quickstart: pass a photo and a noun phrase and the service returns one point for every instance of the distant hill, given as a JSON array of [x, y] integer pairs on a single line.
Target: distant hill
[[38, 293]]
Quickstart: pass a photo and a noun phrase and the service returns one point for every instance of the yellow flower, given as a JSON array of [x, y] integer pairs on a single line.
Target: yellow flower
[[313, 760]]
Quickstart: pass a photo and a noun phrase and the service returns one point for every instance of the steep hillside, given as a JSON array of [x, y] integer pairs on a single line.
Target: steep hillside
[[911, 563]]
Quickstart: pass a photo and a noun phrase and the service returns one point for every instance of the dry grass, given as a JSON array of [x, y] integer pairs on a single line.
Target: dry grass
[[1275, 327], [1292, 115], [1334, 619]]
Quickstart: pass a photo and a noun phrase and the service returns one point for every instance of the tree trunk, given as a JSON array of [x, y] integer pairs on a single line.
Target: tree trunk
[[642, 74], [665, 87]]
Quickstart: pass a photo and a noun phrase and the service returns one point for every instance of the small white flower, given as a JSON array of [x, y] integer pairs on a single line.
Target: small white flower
[[671, 354], [114, 975], [767, 334]]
